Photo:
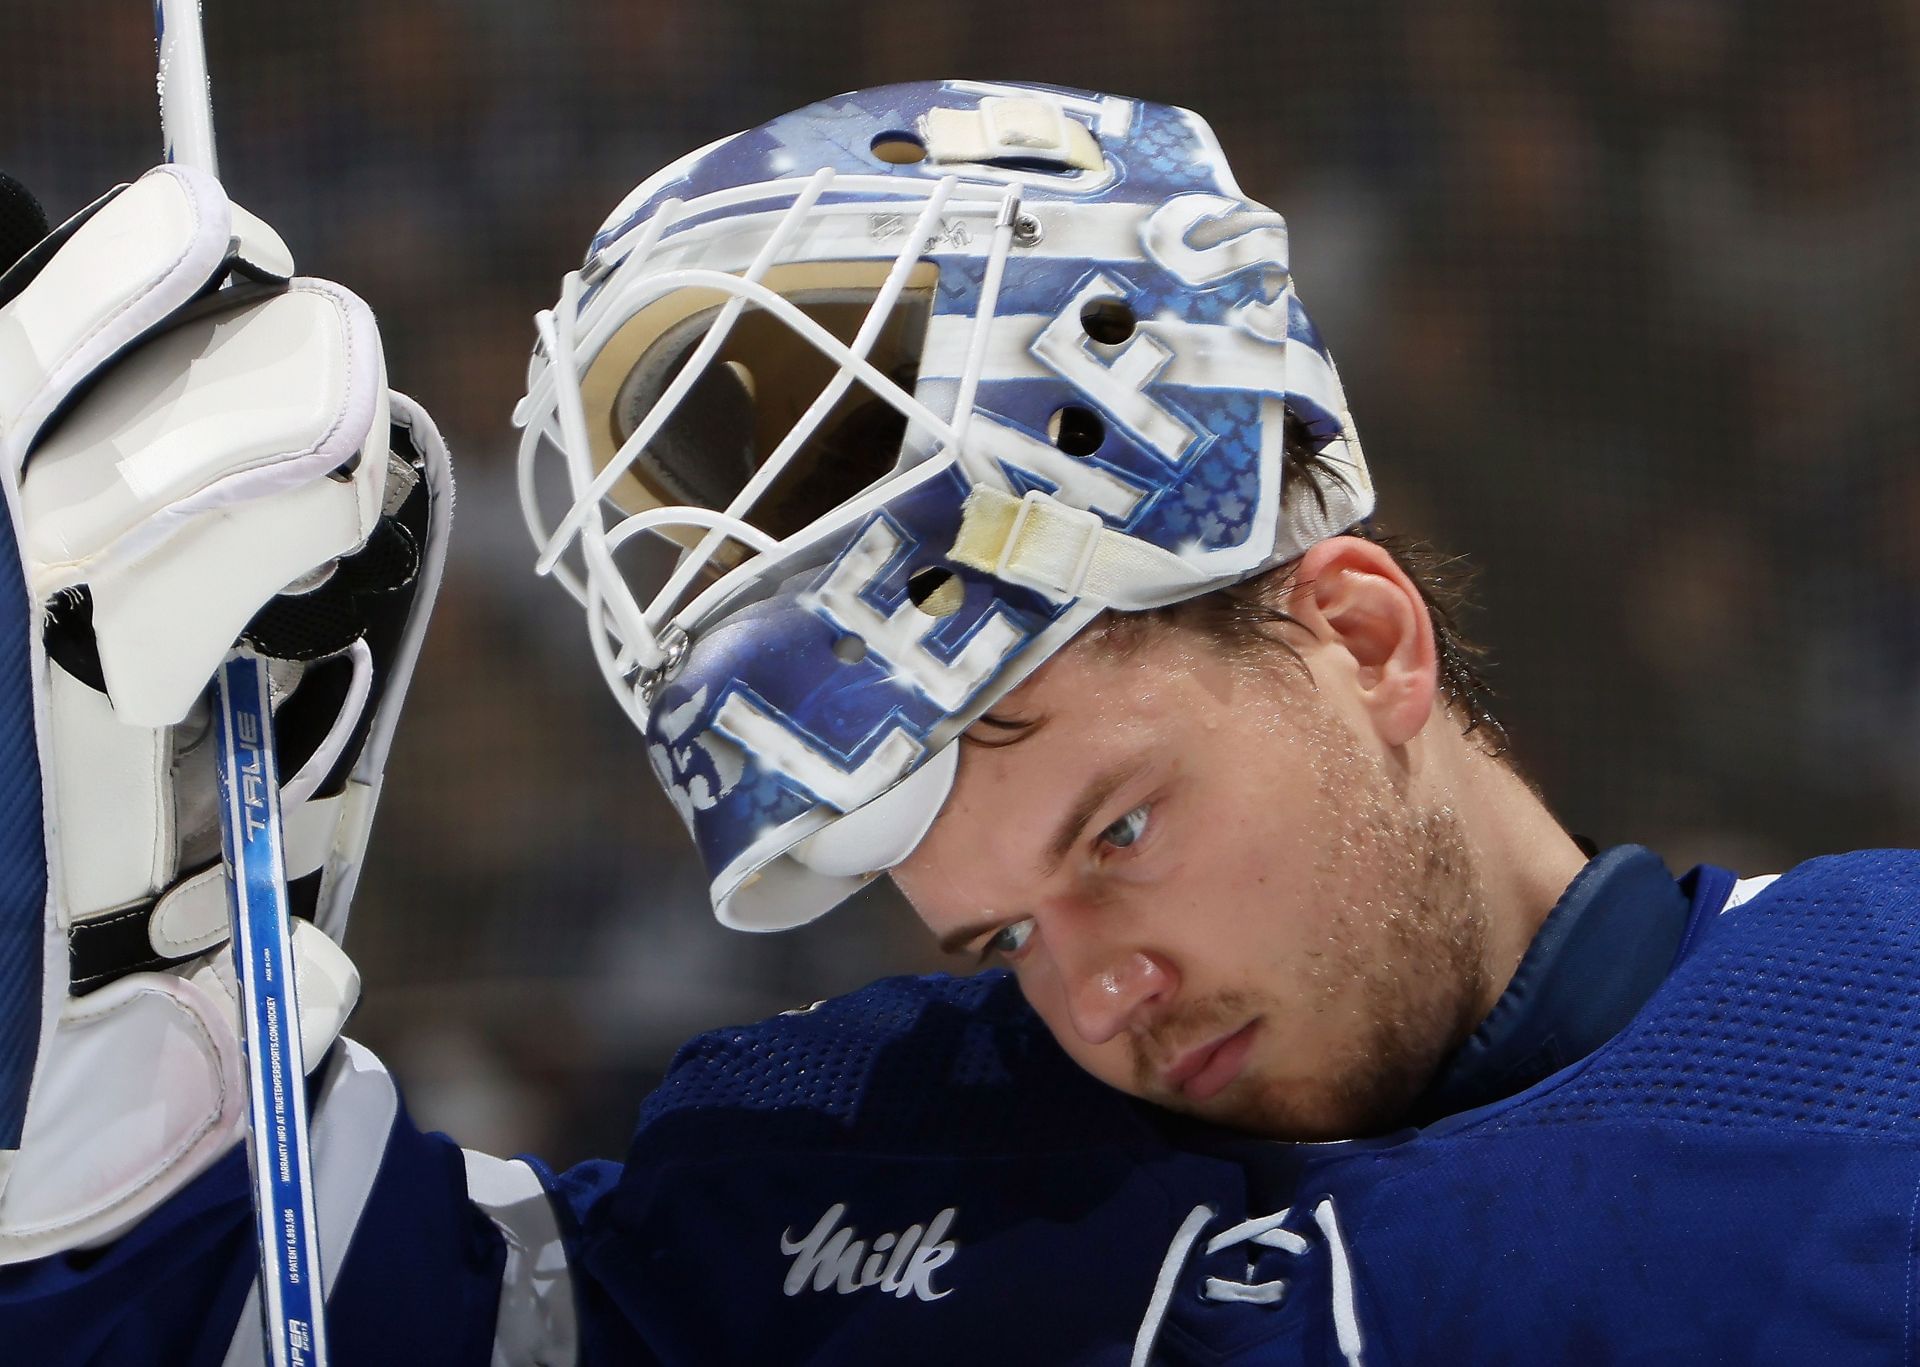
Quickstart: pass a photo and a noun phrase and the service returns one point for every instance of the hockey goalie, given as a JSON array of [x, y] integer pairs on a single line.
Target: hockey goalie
[[1019, 546]]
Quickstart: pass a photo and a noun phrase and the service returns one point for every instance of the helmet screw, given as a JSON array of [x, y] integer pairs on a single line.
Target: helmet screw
[[675, 642], [1027, 231]]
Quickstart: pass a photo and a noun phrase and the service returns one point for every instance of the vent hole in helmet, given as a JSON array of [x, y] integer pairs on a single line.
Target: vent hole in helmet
[[1077, 431], [899, 149], [849, 650], [1108, 321], [935, 591]]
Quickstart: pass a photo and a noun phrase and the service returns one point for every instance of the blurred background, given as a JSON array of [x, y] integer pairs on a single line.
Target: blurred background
[[1624, 298]]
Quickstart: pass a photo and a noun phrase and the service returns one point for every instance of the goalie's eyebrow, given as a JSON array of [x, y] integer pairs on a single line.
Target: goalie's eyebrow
[[956, 941], [1097, 792]]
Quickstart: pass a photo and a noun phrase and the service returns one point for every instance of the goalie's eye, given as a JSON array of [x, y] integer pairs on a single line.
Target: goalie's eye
[[1126, 832], [1008, 941]]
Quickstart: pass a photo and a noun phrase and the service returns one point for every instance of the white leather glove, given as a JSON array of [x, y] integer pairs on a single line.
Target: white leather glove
[[197, 447]]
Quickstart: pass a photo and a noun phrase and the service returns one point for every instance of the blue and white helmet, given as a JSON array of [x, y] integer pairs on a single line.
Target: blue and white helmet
[[911, 384]]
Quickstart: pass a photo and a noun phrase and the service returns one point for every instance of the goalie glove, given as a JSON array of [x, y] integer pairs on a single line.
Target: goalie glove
[[197, 448]]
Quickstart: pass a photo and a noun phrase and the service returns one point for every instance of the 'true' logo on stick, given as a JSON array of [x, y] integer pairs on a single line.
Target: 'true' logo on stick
[[253, 785]]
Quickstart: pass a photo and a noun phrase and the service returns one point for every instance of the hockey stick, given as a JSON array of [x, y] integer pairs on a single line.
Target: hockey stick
[[291, 1296]]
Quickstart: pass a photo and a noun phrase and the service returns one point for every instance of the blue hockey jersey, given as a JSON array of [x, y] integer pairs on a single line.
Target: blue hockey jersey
[[917, 1173]]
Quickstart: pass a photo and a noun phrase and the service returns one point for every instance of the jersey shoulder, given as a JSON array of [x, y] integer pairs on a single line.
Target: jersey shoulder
[[1793, 1010], [1883, 877], [961, 1064], [1877, 885]]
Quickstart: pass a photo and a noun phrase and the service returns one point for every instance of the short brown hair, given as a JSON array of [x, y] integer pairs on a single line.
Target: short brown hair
[[1240, 618]]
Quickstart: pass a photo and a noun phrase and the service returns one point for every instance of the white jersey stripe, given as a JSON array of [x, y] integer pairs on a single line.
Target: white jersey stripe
[[1746, 890], [352, 1121]]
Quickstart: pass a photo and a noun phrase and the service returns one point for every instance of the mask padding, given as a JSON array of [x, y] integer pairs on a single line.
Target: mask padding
[[705, 452], [857, 445]]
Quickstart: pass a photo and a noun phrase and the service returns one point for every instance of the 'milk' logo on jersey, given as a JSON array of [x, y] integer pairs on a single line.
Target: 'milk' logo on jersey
[[903, 1264]]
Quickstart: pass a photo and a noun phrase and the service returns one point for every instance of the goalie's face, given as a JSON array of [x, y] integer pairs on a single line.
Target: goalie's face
[[1225, 890]]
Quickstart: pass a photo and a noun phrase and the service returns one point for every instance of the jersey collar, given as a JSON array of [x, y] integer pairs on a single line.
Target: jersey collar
[[1607, 944]]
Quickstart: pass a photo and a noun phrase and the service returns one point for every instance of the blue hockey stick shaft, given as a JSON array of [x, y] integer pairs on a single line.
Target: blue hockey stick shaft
[[291, 1297], [292, 1300]]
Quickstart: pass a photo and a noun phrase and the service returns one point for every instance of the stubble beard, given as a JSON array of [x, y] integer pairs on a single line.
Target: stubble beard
[[1404, 955]]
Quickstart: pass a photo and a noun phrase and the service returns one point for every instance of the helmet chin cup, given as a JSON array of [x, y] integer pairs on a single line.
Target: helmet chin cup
[[904, 389]]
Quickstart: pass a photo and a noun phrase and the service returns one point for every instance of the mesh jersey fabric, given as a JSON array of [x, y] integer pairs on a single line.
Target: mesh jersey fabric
[[916, 1173], [958, 1064], [1731, 1179], [1809, 1017], [23, 893]]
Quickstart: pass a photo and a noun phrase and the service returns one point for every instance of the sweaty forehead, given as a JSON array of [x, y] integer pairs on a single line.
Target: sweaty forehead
[[1086, 713], [1105, 679]]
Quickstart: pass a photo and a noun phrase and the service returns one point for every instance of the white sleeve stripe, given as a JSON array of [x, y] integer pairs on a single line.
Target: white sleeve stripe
[[352, 1122], [536, 1325]]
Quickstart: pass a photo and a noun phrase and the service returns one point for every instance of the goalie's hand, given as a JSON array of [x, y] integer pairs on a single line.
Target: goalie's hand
[[198, 448]]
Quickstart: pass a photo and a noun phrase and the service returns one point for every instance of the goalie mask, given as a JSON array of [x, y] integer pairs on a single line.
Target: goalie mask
[[909, 385]]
